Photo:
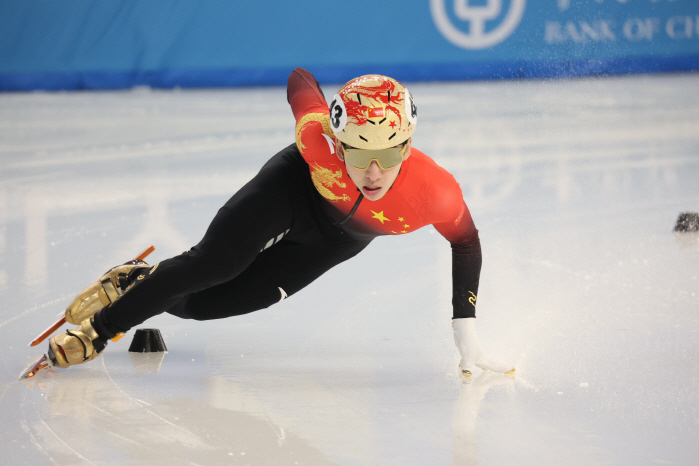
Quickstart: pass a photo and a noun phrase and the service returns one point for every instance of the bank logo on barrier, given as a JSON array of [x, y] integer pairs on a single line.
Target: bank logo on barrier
[[476, 16]]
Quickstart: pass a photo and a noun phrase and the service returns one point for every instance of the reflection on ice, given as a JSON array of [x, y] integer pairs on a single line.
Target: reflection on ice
[[688, 240], [464, 428], [687, 230], [89, 417], [147, 362]]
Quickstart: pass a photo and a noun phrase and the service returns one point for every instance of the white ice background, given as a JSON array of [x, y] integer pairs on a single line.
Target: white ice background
[[574, 185]]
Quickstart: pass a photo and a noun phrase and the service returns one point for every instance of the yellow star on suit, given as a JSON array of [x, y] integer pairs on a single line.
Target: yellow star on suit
[[379, 216]]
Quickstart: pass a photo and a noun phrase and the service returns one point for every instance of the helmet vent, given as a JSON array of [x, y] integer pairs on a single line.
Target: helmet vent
[[369, 121], [363, 138], [359, 98], [391, 136], [384, 119], [389, 95]]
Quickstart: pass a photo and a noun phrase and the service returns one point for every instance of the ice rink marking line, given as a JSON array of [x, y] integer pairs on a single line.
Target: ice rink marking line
[[32, 309], [34, 440], [180, 428], [4, 391], [134, 442], [98, 409], [106, 371], [64, 443], [125, 439]]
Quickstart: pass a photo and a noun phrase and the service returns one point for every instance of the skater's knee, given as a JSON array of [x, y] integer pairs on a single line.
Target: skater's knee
[[195, 307]]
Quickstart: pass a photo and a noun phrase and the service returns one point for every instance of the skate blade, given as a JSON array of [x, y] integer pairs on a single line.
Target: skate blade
[[43, 363], [46, 333]]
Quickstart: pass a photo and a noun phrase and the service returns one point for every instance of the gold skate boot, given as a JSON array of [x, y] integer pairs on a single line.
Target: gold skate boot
[[76, 346], [104, 291]]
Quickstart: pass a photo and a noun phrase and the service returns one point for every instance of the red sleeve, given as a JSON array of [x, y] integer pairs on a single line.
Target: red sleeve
[[304, 94], [451, 217], [314, 137], [461, 230], [466, 259], [453, 220]]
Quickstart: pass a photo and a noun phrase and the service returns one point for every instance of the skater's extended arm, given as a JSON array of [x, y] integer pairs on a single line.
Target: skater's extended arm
[[304, 94], [458, 228], [466, 261], [466, 267], [313, 134]]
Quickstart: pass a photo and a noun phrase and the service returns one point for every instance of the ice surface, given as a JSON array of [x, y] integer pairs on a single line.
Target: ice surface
[[574, 185]]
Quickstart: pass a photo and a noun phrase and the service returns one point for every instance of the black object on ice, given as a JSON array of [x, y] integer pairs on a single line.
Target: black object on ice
[[147, 340], [687, 221]]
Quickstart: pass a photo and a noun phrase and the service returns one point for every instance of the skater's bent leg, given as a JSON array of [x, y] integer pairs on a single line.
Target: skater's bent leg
[[277, 273], [263, 209]]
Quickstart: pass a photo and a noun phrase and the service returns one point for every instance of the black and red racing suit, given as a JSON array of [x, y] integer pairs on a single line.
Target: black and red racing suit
[[298, 217]]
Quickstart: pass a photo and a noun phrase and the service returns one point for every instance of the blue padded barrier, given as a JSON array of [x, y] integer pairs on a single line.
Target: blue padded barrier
[[89, 44]]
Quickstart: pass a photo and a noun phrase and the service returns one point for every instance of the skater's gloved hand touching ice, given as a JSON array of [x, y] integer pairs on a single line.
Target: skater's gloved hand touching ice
[[469, 346]]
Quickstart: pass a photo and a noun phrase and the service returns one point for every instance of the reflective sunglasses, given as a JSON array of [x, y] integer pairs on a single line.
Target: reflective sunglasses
[[386, 158]]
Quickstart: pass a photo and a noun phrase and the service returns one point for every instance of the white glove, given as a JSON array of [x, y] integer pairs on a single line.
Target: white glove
[[469, 346]]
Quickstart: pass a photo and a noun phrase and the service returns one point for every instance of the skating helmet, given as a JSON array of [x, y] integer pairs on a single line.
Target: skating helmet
[[373, 112]]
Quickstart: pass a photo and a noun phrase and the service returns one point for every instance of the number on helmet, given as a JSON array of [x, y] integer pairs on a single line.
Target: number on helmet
[[338, 114]]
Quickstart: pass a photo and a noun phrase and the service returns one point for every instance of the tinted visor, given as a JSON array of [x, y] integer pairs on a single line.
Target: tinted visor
[[386, 158]]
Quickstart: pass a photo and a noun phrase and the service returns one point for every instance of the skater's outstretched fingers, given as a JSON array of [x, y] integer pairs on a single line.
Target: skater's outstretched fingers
[[495, 366]]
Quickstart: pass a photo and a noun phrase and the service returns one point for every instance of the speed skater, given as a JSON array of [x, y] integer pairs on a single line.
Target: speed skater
[[351, 175]]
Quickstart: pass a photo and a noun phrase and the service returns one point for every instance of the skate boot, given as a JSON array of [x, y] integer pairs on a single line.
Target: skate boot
[[105, 291], [77, 346]]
